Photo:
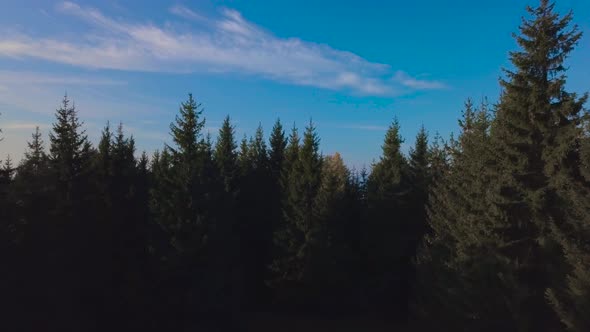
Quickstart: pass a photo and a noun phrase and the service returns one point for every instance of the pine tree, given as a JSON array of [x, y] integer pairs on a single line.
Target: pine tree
[[186, 131], [32, 187], [335, 260], [11, 251], [71, 244], [225, 155], [281, 228], [419, 177], [438, 161], [419, 163], [452, 266], [259, 151], [69, 154], [570, 298], [159, 201], [277, 157], [183, 211], [562, 123], [532, 133], [143, 176], [30, 201], [298, 237], [35, 158], [120, 231], [278, 145], [412, 229], [384, 242], [7, 172], [244, 156], [105, 171], [292, 150], [256, 224], [183, 202]]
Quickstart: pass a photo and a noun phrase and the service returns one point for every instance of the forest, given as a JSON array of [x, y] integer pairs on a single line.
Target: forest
[[488, 230]]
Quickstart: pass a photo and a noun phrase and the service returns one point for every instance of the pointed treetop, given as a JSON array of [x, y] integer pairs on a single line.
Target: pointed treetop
[[144, 161], [225, 146], [187, 129], [393, 141], [419, 153], [104, 146], [277, 136], [258, 145], [67, 137], [311, 140], [278, 145], [546, 39], [36, 149]]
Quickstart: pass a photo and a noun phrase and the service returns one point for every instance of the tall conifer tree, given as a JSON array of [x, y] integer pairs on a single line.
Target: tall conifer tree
[[297, 236], [384, 241]]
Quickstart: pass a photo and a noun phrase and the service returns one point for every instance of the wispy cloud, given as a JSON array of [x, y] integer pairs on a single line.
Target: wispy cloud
[[23, 126], [25, 77], [184, 12], [225, 43], [418, 84]]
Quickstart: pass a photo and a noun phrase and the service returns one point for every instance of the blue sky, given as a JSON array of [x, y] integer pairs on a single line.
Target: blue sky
[[351, 66]]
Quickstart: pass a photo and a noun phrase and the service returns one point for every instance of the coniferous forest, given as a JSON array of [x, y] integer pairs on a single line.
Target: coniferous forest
[[488, 230]]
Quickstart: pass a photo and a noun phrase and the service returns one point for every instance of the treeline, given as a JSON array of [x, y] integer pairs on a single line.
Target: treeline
[[487, 231]]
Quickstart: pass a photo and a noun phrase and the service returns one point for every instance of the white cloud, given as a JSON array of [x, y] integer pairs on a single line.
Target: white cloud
[[26, 77], [417, 84], [187, 13], [228, 43]]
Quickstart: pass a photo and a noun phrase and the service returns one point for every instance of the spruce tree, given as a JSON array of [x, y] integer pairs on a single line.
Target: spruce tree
[[298, 237], [183, 202], [71, 245], [563, 122], [335, 260], [414, 226], [104, 172], [225, 155], [259, 151], [244, 156], [384, 241], [292, 150], [35, 158], [11, 251], [182, 212], [69, 153], [534, 128], [276, 155], [419, 177], [452, 266], [256, 224], [278, 145], [7, 172]]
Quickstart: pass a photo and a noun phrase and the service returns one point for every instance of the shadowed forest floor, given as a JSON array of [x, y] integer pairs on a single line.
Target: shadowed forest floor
[[265, 321]]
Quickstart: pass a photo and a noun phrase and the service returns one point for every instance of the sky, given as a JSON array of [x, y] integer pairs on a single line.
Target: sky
[[351, 66]]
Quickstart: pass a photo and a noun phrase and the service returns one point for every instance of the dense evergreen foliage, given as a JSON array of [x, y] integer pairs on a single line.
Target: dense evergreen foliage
[[488, 231]]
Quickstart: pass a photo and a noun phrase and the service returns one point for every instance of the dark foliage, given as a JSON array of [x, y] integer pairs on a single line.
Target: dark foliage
[[486, 232]]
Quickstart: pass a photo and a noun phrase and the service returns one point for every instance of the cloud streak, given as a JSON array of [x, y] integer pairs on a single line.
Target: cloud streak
[[414, 83], [24, 77], [23, 126], [227, 43]]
